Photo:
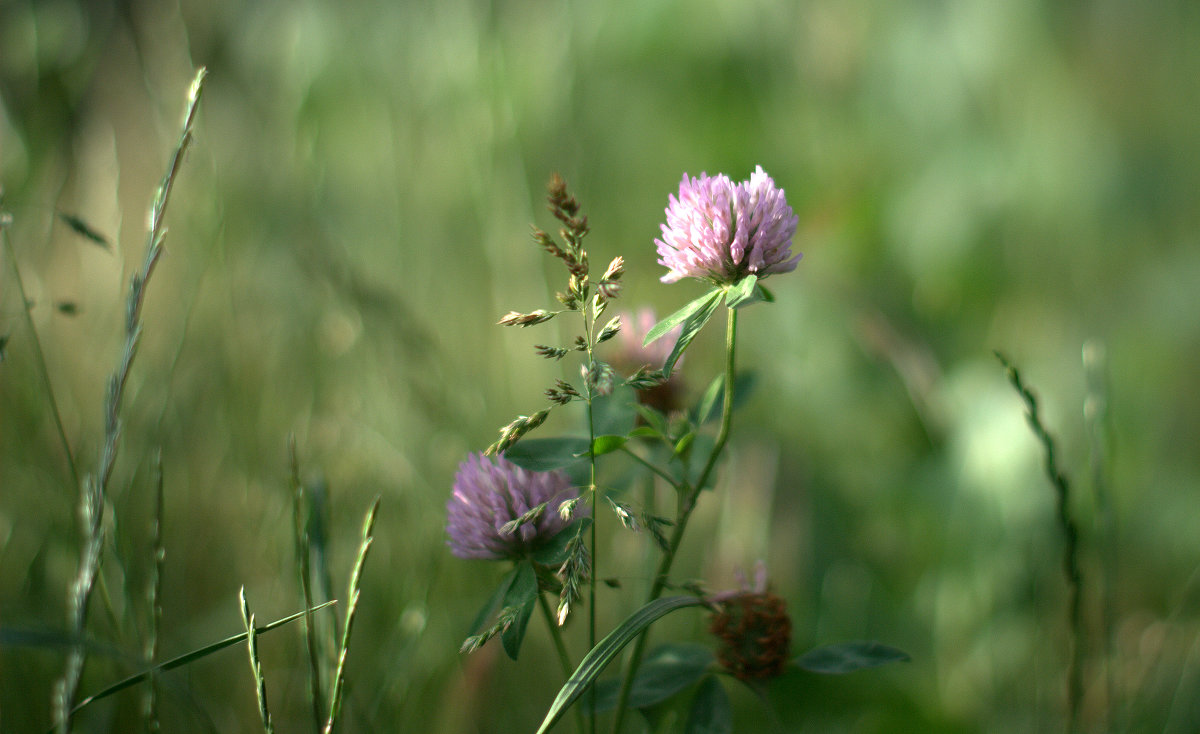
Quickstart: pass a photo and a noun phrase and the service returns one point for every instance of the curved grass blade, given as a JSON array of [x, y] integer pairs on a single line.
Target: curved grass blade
[[603, 653], [193, 656]]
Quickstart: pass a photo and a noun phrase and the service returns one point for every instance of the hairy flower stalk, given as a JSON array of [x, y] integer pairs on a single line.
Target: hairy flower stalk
[[721, 231], [491, 494]]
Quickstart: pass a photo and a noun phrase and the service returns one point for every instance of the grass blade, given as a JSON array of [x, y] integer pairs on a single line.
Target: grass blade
[[154, 600], [193, 656], [602, 654], [303, 561], [260, 683], [94, 489], [339, 679]]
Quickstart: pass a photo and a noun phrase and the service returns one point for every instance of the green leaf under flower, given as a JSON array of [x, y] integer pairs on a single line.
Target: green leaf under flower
[[522, 594], [693, 317]]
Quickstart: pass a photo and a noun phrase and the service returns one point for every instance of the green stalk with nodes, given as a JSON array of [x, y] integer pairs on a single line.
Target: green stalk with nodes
[[598, 379]]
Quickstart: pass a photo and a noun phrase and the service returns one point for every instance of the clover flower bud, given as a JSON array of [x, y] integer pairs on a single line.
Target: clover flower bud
[[754, 630]]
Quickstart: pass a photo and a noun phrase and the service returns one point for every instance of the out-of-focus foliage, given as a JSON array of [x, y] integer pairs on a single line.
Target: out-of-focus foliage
[[353, 218]]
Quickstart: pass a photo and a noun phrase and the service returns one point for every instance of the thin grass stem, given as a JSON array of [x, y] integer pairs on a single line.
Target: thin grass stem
[[655, 469], [339, 679], [154, 602], [1070, 532], [304, 566], [589, 322], [94, 489], [260, 683], [560, 648]]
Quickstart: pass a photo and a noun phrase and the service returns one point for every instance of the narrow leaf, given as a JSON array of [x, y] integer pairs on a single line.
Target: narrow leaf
[[743, 386], [677, 318], [710, 712], [692, 327], [522, 595], [708, 402], [847, 657], [84, 230], [193, 656], [608, 648]]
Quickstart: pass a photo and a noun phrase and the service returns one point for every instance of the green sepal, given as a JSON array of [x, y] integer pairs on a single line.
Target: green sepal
[[522, 595], [653, 418], [607, 444], [684, 443], [710, 712], [847, 657], [747, 291], [602, 654], [742, 292], [644, 432]]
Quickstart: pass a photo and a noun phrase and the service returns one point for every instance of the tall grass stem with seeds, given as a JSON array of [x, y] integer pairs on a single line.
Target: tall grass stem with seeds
[[94, 489], [339, 678]]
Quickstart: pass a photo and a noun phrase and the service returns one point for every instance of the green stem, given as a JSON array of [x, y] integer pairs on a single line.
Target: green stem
[[670, 479], [592, 543], [560, 647], [687, 502]]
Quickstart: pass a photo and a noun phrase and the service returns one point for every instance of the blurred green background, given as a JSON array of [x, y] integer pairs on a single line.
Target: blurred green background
[[353, 218]]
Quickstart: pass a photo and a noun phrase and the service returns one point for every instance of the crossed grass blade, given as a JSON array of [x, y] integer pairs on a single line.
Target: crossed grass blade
[[192, 657]]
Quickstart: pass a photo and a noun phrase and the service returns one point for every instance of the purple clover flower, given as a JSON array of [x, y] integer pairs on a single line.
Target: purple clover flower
[[720, 231], [492, 491]]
